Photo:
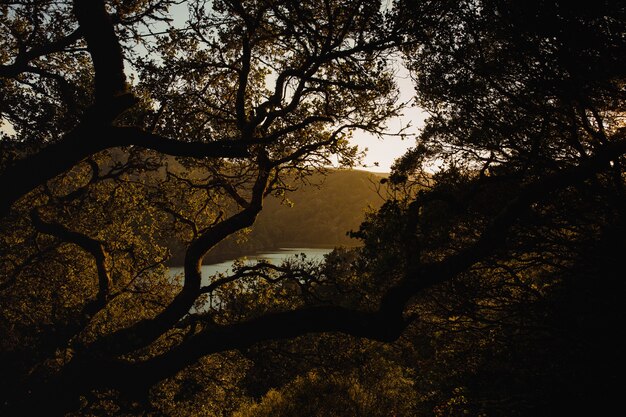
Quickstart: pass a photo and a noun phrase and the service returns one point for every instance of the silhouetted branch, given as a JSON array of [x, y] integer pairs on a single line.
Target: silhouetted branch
[[387, 323], [94, 247], [20, 178], [22, 60], [146, 331], [104, 48]]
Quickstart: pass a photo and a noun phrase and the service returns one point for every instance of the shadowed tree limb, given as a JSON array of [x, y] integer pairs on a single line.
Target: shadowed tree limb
[[104, 48], [493, 236], [20, 178], [22, 60], [385, 324], [145, 332], [90, 245], [388, 322]]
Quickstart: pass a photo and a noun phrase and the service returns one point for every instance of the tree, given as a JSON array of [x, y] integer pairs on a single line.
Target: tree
[[526, 120], [522, 100], [244, 95]]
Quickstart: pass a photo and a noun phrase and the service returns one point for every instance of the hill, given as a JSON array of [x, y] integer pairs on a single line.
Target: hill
[[320, 215]]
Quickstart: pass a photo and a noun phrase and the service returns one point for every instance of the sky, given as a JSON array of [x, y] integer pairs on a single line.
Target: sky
[[380, 153]]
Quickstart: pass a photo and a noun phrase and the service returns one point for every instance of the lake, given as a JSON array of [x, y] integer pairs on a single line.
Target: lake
[[275, 257]]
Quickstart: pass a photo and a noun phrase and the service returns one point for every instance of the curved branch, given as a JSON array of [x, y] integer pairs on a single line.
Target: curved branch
[[53, 160], [494, 235], [282, 325], [82, 375], [90, 245], [147, 331], [387, 323]]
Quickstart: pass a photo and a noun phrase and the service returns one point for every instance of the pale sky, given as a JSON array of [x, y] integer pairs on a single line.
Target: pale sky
[[385, 151], [380, 153]]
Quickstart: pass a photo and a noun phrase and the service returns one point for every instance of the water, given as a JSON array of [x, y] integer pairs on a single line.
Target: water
[[275, 257]]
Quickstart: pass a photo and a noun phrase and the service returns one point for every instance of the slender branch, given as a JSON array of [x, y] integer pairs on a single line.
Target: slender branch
[[258, 271], [178, 216], [21, 61], [311, 147], [244, 72], [297, 126]]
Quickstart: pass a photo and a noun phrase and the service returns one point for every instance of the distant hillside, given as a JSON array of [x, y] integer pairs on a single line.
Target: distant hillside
[[320, 217]]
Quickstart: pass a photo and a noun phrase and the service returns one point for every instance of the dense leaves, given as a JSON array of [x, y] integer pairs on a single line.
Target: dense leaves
[[486, 284]]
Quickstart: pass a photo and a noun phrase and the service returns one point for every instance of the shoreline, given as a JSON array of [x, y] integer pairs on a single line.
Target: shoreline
[[234, 255]]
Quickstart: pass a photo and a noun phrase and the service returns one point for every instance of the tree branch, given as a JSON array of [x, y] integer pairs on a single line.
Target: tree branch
[[22, 60], [104, 47], [387, 323], [146, 331], [90, 245], [20, 178], [494, 234]]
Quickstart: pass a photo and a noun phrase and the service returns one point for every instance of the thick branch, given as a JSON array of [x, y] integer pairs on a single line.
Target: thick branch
[[20, 178], [104, 47], [388, 322], [283, 325], [145, 332], [135, 379], [90, 245], [495, 233]]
